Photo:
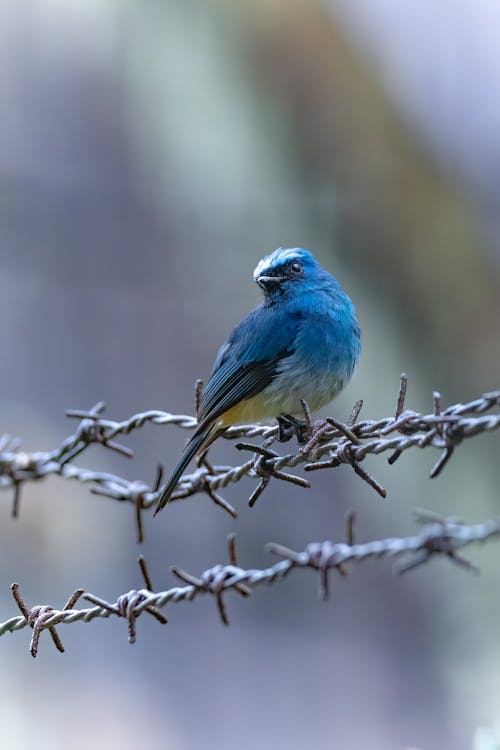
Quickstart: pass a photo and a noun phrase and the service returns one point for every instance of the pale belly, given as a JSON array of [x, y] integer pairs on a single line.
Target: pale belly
[[282, 396]]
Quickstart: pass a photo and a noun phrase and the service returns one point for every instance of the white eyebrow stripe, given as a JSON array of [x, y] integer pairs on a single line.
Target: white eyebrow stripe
[[277, 258]]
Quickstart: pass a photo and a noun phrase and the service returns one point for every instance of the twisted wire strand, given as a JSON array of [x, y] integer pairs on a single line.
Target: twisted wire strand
[[331, 444], [439, 536]]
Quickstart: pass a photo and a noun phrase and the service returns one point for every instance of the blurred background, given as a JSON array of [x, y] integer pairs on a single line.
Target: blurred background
[[150, 154]]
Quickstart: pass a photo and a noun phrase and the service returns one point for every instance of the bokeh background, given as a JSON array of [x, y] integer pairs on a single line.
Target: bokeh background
[[150, 154]]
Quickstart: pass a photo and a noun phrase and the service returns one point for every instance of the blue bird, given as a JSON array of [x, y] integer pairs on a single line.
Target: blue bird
[[301, 342]]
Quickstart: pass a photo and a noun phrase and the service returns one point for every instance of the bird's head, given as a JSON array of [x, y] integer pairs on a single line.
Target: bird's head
[[286, 269]]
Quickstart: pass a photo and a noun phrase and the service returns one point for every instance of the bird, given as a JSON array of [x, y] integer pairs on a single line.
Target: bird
[[302, 342]]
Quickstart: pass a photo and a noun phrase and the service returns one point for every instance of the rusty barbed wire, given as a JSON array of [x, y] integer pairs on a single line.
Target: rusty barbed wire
[[330, 444], [437, 536]]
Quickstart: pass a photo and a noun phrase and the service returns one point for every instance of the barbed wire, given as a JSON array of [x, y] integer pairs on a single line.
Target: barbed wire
[[329, 444], [438, 536]]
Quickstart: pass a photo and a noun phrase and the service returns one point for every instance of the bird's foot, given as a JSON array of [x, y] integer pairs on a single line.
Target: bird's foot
[[289, 427]]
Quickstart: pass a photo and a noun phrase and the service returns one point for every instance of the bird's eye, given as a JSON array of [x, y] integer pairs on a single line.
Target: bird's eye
[[296, 266]]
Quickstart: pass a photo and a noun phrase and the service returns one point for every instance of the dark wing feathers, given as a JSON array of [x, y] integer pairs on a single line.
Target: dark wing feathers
[[246, 363], [239, 383], [248, 360]]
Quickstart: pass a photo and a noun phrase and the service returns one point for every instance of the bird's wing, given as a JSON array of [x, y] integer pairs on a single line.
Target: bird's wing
[[248, 360]]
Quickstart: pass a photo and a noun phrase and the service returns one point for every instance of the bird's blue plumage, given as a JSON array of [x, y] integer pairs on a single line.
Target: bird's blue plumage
[[251, 353], [301, 342]]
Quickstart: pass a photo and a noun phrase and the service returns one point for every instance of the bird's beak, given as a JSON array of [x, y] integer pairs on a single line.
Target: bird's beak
[[269, 281]]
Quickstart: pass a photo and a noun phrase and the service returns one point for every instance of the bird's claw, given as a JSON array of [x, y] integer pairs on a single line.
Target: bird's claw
[[289, 426]]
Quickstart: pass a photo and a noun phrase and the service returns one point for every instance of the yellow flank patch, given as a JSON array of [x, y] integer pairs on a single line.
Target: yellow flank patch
[[249, 410]]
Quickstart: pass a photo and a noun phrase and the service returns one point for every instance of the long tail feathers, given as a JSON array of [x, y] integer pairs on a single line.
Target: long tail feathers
[[199, 440]]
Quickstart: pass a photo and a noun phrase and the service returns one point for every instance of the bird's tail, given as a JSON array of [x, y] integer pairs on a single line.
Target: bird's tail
[[202, 438]]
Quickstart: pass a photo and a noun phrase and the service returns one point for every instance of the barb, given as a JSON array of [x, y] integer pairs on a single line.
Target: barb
[[41, 617], [437, 537], [329, 444]]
